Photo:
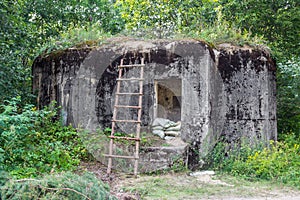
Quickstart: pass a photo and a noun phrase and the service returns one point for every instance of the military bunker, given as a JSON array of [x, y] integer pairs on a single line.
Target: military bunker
[[225, 92]]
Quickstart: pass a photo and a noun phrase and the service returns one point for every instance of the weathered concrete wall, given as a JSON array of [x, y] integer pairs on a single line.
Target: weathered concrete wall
[[249, 83], [53, 77], [228, 92]]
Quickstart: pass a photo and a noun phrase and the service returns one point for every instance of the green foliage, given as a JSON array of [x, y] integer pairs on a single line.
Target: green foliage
[[277, 21], [15, 50], [277, 162], [52, 17], [29, 27], [161, 19], [57, 186], [178, 165], [288, 98], [200, 19], [31, 143]]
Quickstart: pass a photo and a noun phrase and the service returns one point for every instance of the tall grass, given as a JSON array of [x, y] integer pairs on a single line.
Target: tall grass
[[278, 162]]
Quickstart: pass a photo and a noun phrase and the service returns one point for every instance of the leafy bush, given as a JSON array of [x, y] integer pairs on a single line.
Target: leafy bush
[[278, 162], [288, 98], [32, 143], [59, 186]]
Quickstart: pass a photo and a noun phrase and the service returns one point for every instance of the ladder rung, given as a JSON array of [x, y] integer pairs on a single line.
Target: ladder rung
[[134, 65], [125, 138], [124, 106], [124, 120], [128, 93], [119, 156], [130, 79]]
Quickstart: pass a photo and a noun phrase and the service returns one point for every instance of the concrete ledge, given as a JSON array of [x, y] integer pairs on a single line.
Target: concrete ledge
[[160, 158]]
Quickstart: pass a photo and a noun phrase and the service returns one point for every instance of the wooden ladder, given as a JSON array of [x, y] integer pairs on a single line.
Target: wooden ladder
[[115, 120]]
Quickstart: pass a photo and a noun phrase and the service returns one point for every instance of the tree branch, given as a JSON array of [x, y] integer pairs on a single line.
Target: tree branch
[[68, 189], [54, 189]]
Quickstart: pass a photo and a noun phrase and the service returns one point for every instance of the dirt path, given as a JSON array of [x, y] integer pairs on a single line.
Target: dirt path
[[191, 186]]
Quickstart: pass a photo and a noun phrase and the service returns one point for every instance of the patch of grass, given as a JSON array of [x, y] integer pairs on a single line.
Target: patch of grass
[[222, 32], [278, 162], [77, 37], [147, 139], [159, 188], [182, 186], [93, 36]]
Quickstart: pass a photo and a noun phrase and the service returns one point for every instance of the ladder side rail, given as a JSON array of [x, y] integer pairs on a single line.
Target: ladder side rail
[[111, 142], [138, 128]]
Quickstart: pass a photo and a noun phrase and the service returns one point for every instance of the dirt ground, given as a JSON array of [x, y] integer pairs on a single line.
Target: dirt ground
[[189, 186]]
